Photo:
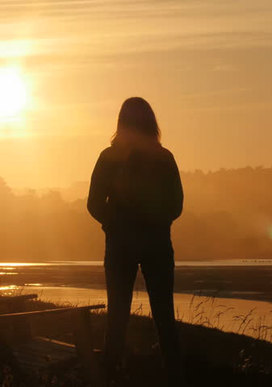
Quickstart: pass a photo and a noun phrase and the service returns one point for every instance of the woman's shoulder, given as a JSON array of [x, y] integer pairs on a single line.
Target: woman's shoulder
[[111, 151], [166, 152], [106, 152], [111, 155]]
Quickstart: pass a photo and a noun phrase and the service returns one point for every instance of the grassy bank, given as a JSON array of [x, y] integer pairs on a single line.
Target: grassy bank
[[210, 356]]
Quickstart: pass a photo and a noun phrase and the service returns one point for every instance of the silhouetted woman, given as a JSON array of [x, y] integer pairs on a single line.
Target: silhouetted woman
[[136, 193]]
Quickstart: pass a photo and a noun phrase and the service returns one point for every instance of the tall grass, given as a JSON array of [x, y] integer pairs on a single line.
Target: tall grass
[[203, 311]]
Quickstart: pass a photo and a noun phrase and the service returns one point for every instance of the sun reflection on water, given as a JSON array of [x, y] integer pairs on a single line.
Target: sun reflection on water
[[8, 290], [7, 273]]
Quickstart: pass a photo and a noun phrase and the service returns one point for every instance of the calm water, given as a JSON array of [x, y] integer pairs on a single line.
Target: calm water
[[253, 318]]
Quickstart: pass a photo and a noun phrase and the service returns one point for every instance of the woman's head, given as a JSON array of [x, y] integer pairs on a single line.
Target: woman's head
[[136, 123]]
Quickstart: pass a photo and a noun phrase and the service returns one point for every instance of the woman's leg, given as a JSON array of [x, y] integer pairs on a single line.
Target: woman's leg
[[120, 273], [159, 278]]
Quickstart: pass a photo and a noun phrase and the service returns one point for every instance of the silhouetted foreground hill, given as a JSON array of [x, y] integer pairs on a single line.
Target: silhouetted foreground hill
[[227, 214], [210, 357]]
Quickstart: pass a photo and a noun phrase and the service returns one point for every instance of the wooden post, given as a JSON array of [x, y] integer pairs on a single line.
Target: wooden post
[[84, 345], [17, 330]]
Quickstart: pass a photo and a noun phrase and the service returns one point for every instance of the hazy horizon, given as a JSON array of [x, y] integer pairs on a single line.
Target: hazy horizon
[[22, 189], [227, 214]]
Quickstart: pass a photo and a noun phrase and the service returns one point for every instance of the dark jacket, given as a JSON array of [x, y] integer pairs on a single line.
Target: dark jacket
[[135, 188]]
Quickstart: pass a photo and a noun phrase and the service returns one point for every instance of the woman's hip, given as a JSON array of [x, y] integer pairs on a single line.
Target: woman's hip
[[141, 246]]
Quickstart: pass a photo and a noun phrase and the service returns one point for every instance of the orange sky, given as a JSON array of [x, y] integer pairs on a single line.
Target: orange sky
[[205, 67]]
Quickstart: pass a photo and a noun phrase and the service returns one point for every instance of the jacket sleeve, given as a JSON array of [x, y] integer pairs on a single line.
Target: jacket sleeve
[[175, 195], [99, 189]]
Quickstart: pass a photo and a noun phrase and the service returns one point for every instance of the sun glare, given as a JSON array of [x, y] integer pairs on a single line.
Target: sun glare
[[13, 96]]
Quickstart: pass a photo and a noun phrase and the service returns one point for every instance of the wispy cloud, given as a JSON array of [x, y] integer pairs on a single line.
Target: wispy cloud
[[108, 27], [92, 36]]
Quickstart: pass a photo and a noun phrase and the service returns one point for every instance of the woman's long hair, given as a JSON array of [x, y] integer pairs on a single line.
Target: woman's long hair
[[136, 124]]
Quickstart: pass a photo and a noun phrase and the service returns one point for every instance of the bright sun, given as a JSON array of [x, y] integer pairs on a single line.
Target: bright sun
[[13, 96]]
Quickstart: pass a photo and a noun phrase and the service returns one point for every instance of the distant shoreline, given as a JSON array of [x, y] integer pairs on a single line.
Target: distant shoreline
[[179, 263]]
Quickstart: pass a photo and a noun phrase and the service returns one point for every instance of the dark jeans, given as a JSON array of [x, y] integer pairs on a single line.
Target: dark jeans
[[153, 251]]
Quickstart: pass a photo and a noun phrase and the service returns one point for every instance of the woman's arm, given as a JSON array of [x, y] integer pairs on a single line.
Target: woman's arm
[[175, 195], [99, 190]]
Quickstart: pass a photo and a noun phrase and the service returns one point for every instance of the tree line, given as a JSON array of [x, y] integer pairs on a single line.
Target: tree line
[[227, 214]]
